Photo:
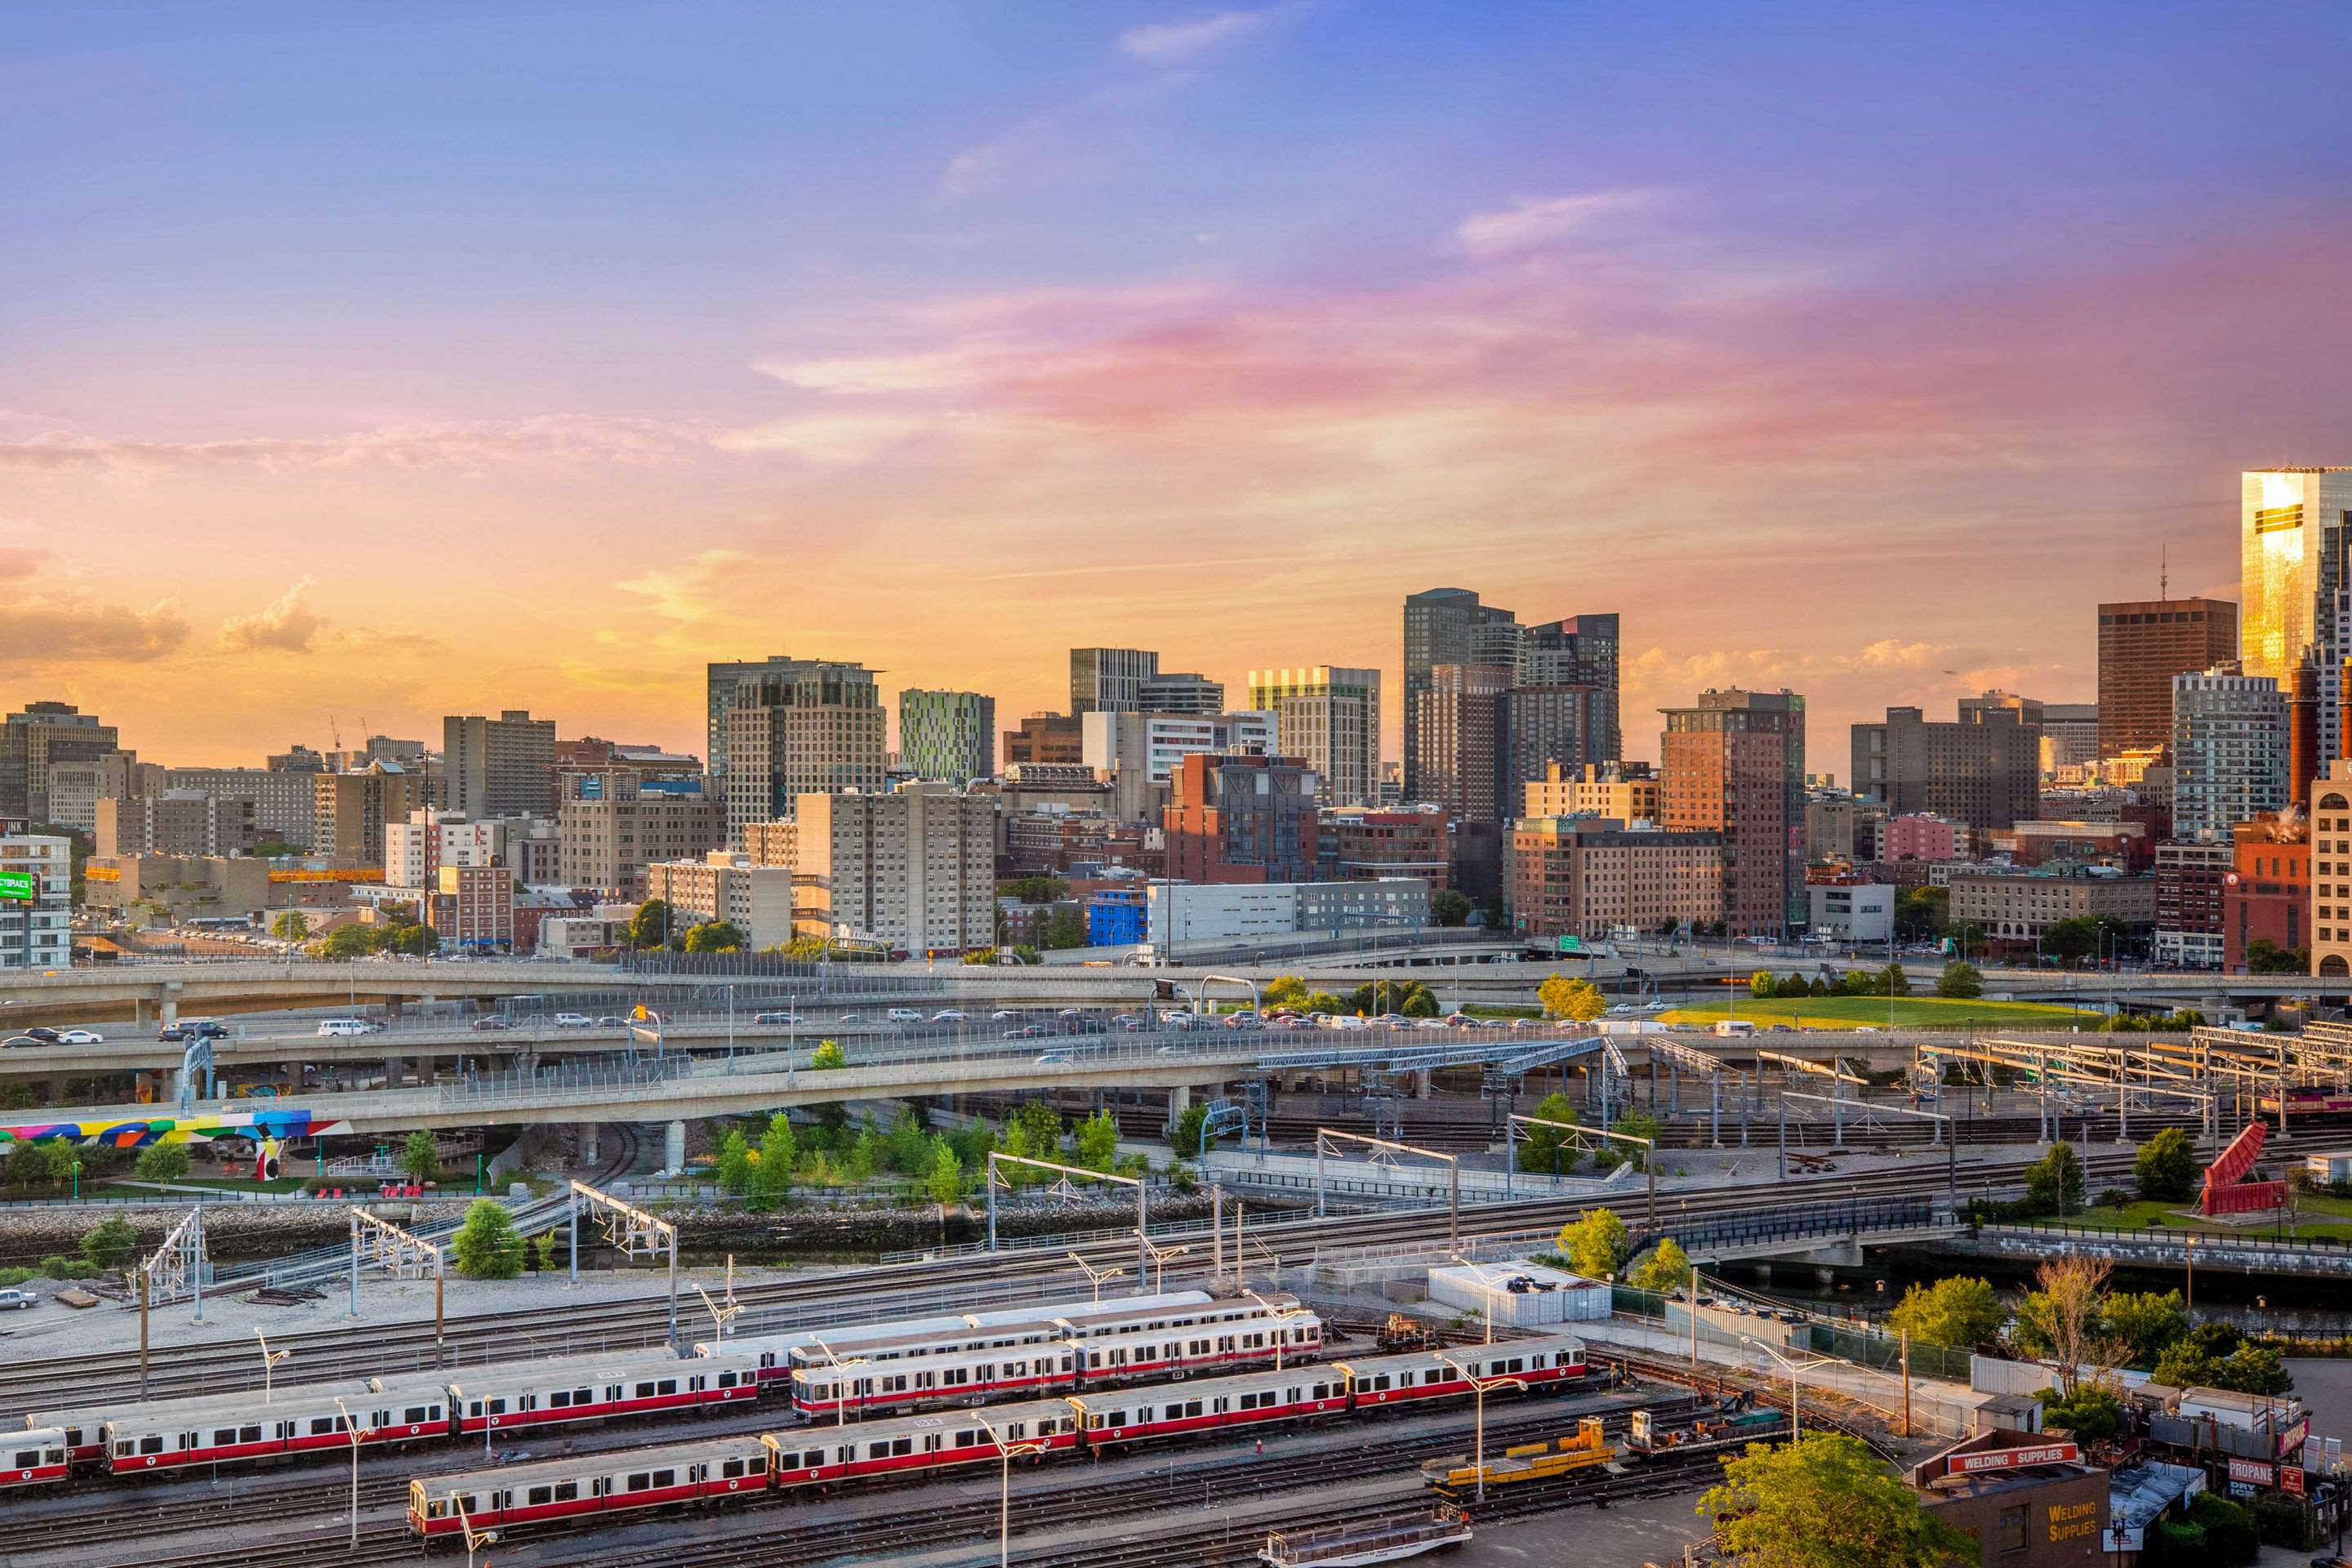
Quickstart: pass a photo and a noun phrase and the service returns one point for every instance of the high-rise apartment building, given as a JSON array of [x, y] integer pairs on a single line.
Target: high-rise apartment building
[[1983, 768], [415, 849], [1557, 724], [37, 913], [75, 787], [2228, 752], [1580, 876], [1627, 792], [1461, 726], [1578, 652], [1109, 680], [1734, 763], [1365, 844], [1241, 819], [1329, 717], [2191, 877], [43, 734], [500, 767], [1056, 738], [285, 803], [174, 822], [1153, 743], [816, 728], [607, 837], [721, 678], [948, 735], [2070, 734], [2295, 527], [1173, 692], [350, 811], [1448, 626], [914, 867], [2142, 644]]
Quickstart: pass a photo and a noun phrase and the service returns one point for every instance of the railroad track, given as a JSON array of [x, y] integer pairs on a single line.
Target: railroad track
[[882, 1292]]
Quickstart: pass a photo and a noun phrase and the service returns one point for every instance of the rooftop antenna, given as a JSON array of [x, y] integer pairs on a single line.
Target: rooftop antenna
[[2163, 573]]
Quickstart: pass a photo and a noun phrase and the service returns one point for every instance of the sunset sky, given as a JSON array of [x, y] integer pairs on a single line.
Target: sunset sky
[[382, 363]]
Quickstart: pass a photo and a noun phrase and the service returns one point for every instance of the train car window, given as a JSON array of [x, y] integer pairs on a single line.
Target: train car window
[[154, 1445], [669, 1385], [560, 1400], [612, 1391], [379, 1419], [26, 1461], [540, 1497], [567, 1491], [527, 1402], [730, 1379], [222, 1437], [813, 1459], [645, 1391], [601, 1487], [930, 1442], [414, 1413], [436, 1509], [475, 1408], [696, 1384], [956, 1376], [322, 1425], [582, 1396], [665, 1478], [878, 1450], [897, 1383], [966, 1439], [497, 1407], [640, 1481], [732, 1470]]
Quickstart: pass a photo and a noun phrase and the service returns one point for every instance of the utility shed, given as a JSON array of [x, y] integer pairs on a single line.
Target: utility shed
[[1519, 1294]]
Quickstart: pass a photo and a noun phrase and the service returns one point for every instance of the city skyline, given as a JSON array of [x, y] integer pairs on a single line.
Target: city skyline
[[471, 365]]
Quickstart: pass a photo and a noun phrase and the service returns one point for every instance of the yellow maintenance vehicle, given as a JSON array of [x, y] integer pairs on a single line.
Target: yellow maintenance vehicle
[[1457, 1476]]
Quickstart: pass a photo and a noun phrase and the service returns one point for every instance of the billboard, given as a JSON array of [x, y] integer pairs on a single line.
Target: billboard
[[21, 885], [2015, 1458]]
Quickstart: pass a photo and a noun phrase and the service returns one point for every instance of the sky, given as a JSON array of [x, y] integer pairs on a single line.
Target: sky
[[360, 366]]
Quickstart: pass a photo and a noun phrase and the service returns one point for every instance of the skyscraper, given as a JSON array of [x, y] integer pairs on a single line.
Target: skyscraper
[[720, 680], [1109, 680], [948, 735], [43, 734], [1734, 763], [2294, 531], [2228, 752], [1330, 717], [1171, 692], [1461, 724], [1448, 626], [813, 727], [1576, 651], [1983, 768], [500, 767], [2142, 644]]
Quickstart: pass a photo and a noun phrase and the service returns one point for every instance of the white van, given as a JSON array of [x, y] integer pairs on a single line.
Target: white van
[[328, 1027], [1734, 1027]]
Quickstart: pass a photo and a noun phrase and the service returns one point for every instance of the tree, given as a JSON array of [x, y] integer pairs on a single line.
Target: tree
[[2062, 1315], [163, 1164], [1892, 981], [780, 1152], [715, 936], [2095, 1413], [1762, 985], [1632, 1124], [1098, 1139], [2264, 956], [1959, 979], [649, 925], [1594, 1243], [1038, 1127], [1189, 1135], [734, 1164], [1542, 1151], [2146, 1323], [1578, 1001], [1956, 1312], [1284, 990], [2164, 1170], [827, 1056], [1827, 1502], [2055, 1181], [109, 1242], [1664, 1268], [1036, 889], [350, 939], [408, 937], [1322, 1002], [1421, 1004], [292, 925], [945, 1181], [488, 1245], [1063, 928], [1448, 908], [46, 1162], [1922, 912], [420, 1157]]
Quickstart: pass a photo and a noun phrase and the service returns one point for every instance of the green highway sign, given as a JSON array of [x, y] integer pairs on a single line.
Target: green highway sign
[[1572, 944], [19, 885]]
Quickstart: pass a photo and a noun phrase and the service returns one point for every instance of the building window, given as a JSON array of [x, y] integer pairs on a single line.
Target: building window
[[2008, 1533]]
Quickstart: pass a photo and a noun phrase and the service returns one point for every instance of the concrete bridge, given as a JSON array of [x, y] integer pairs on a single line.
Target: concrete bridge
[[2160, 1248]]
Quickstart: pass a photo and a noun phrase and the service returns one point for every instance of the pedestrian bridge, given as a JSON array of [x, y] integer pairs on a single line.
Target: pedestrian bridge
[[2162, 1248]]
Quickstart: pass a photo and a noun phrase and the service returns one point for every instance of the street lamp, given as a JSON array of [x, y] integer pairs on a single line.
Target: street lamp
[[1487, 1313], [474, 1540], [1005, 1452], [269, 1358], [1095, 1276], [842, 1386], [358, 1435], [1479, 1385], [1280, 1314], [1160, 1256], [1796, 1426], [720, 1314]]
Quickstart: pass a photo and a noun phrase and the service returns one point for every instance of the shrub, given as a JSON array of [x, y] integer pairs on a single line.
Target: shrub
[[58, 1266], [109, 1242], [2230, 1536]]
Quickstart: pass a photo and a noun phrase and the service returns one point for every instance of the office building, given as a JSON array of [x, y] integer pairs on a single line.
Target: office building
[[1627, 792], [1241, 819], [2228, 752], [1920, 835], [1182, 914], [36, 901], [2292, 536], [1448, 626], [816, 729], [2190, 881], [1329, 717], [1152, 744], [1588, 877], [726, 887], [721, 681], [1461, 727], [1045, 738], [2070, 734], [1577, 652], [75, 787], [285, 802], [1109, 680], [43, 734], [415, 849], [2268, 898], [1734, 763], [500, 767], [185, 821], [1561, 725], [351, 811], [471, 908], [947, 735], [1173, 692], [1367, 843], [2331, 872], [1856, 913], [2016, 906], [590, 768], [296, 759], [2142, 644], [1983, 768], [913, 868], [607, 839]]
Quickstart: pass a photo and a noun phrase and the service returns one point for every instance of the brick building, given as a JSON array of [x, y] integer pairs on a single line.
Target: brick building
[[1242, 819], [2142, 644], [1734, 763], [1585, 877], [2266, 896]]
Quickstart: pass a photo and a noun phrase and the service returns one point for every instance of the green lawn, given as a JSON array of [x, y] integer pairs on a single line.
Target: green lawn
[[1879, 1012], [2326, 1219]]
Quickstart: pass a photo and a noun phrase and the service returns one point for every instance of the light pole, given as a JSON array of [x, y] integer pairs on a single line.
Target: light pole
[[474, 1540], [1488, 1313], [720, 1314], [1095, 1276], [1280, 1315], [841, 1385], [1005, 1452], [269, 1358], [1796, 1426], [1479, 1385], [1160, 1256], [357, 1435]]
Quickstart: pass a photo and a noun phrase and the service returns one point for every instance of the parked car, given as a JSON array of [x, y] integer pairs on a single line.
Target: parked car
[[81, 1038], [19, 1300], [331, 1027], [489, 1024], [574, 1021]]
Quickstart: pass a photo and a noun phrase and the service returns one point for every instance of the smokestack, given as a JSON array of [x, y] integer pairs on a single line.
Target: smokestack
[[2303, 733]]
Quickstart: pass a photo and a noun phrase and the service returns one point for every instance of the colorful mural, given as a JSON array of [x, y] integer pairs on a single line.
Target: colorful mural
[[279, 1123]]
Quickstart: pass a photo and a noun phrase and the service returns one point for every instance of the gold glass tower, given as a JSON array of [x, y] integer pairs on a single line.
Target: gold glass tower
[[2292, 540]]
